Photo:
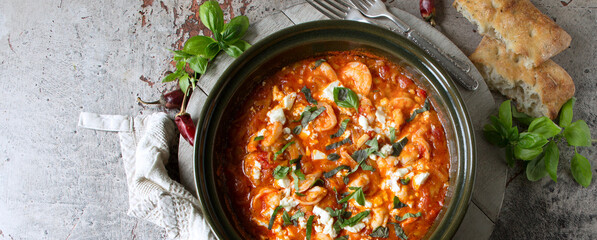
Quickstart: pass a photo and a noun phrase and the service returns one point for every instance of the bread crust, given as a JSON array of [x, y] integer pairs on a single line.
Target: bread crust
[[538, 91], [519, 25]]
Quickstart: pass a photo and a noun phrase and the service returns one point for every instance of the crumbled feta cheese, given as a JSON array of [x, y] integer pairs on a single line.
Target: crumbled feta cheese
[[367, 205], [367, 218], [302, 222], [395, 176], [288, 101], [380, 115], [276, 115], [328, 92], [356, 228], [318, 155], [420, 178], [386, 150], [286, 130], [256, 171], [326, 220], [283, 183], [372, 157], [364, 123], [261, 132], [288, 203], [287, 138]]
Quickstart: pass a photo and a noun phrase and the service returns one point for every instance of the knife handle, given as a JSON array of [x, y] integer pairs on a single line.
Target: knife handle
[[458, 69]]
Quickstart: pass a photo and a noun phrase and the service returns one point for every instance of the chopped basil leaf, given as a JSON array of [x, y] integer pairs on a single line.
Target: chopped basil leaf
[[335, 170], [338, 144], [360, 156], [309, 226], [310, 114], [405, 181], [345, 237], [258, 138], [398, 203], [333, 157], [398, 146], [297, 174], [345, 97], [317, 182], [297, 130], [367, 167], [373, 144], [358, 195], [297, 159], [345, 180], [407, 216], [297, 215], [273, 218], [392, 134], [420, 110], [356, 219], [380, 232], [342, 128], [399, 231], [282, 150], [281, 172], [318, 63], [286, 219], [308, 96]]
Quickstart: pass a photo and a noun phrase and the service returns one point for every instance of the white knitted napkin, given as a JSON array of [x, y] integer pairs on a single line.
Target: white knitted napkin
[[145, 143]]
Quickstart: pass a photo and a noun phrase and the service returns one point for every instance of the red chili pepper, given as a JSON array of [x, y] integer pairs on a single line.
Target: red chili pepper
[[185, 124], [427, 8], [171, 100]]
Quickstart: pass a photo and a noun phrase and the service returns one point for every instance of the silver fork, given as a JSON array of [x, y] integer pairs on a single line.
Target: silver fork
[[338, 9], [375, 9]]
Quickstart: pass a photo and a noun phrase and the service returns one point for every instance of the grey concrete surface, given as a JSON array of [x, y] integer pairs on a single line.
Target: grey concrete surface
[[60, 57]]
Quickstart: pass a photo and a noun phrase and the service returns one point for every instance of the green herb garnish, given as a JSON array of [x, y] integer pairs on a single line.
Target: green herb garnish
[[335, 170], [309, 226], [338, 144], [308, 115], [420, 110], [380, 232], [356, 219], [308, 95], [344, 97], [342, 128], [358, 195], [398, 203], [317, 63], [258, 138], [399, 231], [407, 216], [297, 130], [199, 50], [333, 157], [297, 215], [276, 154], [392, 134], [345, 237], [273, 218], [398, 146], [280, 172], [296, 160], [286, 219], [405, 181], [537, 146]]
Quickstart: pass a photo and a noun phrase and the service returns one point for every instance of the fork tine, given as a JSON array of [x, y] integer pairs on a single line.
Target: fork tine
[[337, 4], [326, 10], [370, 2], [360, 5]]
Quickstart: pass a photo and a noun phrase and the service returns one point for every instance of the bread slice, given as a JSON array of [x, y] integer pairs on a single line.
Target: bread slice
[[540, 91], [518, 24]]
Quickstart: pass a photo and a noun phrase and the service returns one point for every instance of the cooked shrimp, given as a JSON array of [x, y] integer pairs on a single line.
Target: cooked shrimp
[[272, 133], [252, 167], [313, 196], [325, 71], [367, 108], [326, 120], [362, 140], [295, 150], [265, 200], [398, 118], [304, 185], [379, 217], [253, 145], [356, 75], [360, 181], [322, 236]]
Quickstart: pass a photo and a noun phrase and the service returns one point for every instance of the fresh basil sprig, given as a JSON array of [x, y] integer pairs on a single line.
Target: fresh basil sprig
[[537, 146], [344, 97], [199, 50]]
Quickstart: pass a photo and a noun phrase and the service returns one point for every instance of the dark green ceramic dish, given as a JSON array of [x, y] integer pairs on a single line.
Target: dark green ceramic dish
[[311, 39]]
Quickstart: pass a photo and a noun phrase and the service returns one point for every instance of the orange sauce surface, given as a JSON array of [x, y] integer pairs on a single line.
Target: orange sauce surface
[[417, 175]]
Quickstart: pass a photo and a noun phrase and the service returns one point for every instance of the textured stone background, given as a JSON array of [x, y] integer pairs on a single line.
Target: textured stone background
[[58, 58]]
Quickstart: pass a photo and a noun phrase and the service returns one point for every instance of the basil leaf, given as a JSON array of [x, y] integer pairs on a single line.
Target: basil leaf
[[392, 134], [333, 157], [522, 118], [398, 146], [180, 55], [544, 126], [317, 63], [360, 155], [373, 144], [235, 29], [527, 154], [297, 130], [510, 155], [235, 49], [342, 128], [198, 64], [405, 181], [398, 203], [338, 144], [198, 45], [296, 160], [505, 113], [513, 134], [282, 150], [530, 140], [297, 215], [536, 169], [578, 134], [172, 76], [566, 113], [258, 138], [552, 157], [309, 226], [399, 231], [211, 16], [420, 110], [581, 170], [367, 167], [286, 219], [280, 172], [492, 135], [358, 195], [310, 114], [308, 95], [346, 98], [273, 218], [354, 220], [345, 237], [380, 232], [407, 216], [334, 171]]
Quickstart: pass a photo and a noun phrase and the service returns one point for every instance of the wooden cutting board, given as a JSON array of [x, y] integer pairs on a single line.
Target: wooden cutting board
[[491, 173]]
